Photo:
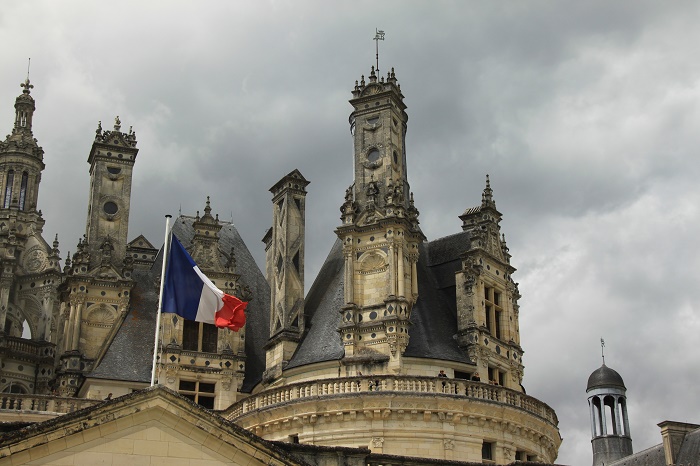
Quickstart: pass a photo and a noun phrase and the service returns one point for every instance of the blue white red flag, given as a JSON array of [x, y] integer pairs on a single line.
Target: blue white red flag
[[190, 294]]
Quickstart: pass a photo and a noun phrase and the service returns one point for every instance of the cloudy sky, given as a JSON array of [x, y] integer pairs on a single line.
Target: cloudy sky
[[585, 114]]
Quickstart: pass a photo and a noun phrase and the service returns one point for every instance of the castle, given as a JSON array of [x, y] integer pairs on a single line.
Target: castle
[[402, 347]]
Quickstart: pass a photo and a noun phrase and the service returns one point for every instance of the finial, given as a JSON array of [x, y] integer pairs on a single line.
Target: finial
[[602, 349], [487, 196], [55, 242], [117, 124], [26, 84], [98, 131], [207, 209], [362, 80], [131, 130]]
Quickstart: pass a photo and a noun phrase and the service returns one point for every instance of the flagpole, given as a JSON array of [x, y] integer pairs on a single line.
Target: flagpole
[[166, 251]]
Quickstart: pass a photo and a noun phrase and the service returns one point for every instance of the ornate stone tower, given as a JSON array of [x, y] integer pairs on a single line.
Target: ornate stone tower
[[202, 362], [379, 230], [30, 271], [285, 271], [610, 430], [96, 292], [487, 297]]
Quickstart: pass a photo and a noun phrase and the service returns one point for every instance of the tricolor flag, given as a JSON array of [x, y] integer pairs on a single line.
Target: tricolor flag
[[188, 293]]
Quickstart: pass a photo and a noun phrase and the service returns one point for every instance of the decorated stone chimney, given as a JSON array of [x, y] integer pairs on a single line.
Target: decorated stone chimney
[[98, 283], [487, 297], [379, 231], [285, 271]]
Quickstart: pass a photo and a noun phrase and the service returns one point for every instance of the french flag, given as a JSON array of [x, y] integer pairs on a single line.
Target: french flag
[[190, 294]]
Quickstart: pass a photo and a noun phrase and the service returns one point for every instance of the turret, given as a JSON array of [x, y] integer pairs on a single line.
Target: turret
[[607, 403], [487, 297]]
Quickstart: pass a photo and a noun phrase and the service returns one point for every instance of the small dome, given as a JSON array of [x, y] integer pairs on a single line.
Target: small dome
[[605, 377]]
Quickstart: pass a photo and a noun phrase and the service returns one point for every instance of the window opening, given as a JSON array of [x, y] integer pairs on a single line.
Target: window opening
[[198, 336], [23, 190], [8, 189], [202, 393], [487, 451], [494, 311]]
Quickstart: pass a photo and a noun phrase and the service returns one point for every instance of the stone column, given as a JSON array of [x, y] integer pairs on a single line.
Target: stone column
[[5, 285], [75, 337], [392, 270], [400, 272]]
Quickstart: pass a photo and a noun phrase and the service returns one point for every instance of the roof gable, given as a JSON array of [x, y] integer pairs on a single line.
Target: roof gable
[[150, 425]]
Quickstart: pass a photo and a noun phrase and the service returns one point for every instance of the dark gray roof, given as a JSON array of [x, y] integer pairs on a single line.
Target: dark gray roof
[[604, 377], [690, 449], [322, 305], [434, 316], [688, 453], [130, 355], [653, 456]]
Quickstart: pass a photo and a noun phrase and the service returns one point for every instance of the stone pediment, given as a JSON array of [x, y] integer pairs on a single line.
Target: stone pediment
[[106, 272], [141, 242], [150, 426]]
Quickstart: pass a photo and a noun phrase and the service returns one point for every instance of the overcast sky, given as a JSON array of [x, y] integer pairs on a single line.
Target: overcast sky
[[584, 113]]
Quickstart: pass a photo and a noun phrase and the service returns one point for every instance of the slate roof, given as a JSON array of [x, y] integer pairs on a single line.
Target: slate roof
[[434, 316], [690, 449], [653, 456], [130, 355], [605, 377]]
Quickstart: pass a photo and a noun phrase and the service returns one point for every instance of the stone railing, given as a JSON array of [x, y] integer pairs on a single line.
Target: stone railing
[[453, 388], [38, 349], [43, 403]]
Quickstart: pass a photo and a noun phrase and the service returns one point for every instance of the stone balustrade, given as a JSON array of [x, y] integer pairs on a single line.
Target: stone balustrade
[[36, 349], [453, 388], [43, 403]]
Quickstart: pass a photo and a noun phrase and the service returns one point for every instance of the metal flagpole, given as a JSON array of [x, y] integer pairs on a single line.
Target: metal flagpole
[[166, 253]]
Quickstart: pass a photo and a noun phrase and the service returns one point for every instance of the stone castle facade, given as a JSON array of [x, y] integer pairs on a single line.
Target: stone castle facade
[[352, 364]]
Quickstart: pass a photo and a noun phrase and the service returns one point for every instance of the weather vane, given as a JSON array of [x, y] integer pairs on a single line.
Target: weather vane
[[602, 349], [377, 37]]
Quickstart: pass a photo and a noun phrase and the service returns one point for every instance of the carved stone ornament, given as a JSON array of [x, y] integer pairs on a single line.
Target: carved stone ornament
[[373, 262], [226, 383], [35, 261], [507, 453], [448, 444], [377, 442]]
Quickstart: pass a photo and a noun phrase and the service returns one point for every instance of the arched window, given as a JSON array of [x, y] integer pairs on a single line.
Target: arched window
[[23, 190], [8, 189], [14, 387]]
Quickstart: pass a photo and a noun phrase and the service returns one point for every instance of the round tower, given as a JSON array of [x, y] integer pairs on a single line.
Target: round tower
[[610, 431]]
